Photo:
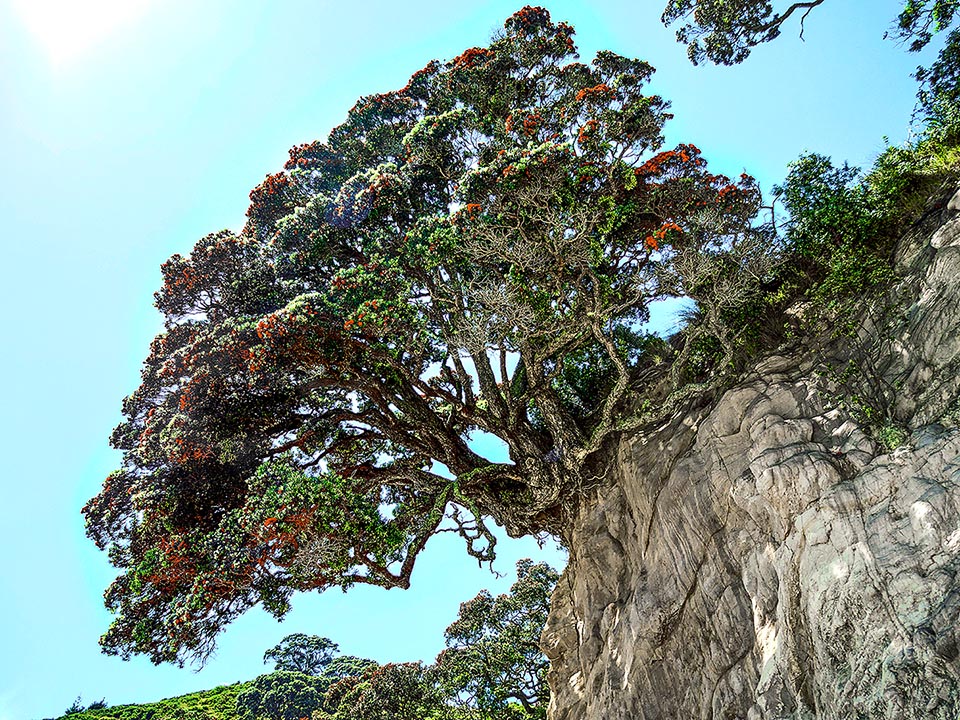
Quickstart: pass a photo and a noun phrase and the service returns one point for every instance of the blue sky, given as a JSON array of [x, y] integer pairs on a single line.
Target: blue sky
[[130, 129]]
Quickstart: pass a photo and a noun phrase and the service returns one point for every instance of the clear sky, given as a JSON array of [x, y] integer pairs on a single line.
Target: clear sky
[[130, 128]]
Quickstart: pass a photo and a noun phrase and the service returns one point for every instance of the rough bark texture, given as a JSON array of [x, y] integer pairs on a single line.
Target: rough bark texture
[[761, 557]]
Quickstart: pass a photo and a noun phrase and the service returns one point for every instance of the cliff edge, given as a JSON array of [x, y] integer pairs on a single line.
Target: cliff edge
[[764, 556]]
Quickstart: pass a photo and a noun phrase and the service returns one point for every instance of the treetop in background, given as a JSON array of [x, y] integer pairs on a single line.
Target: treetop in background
[[725, 31], [473, 253], [307, 654]]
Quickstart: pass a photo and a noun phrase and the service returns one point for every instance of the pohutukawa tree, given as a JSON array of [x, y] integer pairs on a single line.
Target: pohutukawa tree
[[472, 253]]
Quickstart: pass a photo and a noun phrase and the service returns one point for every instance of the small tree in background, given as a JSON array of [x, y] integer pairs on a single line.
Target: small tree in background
[[394, 690], [281, 695], [307, 654], [75, 707], [493, 661]]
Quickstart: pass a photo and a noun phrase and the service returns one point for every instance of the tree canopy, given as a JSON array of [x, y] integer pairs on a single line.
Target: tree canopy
[[725, 31], [493, 660], [492, 668], [299, 652], [473, 253]]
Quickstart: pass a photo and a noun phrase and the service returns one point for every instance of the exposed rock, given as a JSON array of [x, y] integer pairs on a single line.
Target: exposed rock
[[763, 557]]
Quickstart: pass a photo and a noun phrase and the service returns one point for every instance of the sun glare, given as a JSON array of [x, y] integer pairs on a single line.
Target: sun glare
[[66, 29]]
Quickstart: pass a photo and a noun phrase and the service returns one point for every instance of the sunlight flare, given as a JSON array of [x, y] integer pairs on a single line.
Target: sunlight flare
[[66, 30]]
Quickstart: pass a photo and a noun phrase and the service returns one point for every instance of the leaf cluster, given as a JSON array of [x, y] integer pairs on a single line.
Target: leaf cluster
[[843, 224], [725, 31]]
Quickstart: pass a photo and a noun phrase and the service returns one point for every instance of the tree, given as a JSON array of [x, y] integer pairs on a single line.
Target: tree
[[394, 690], [493, 660], [281, 695], [76, 707], [307, 654], [471, 253], [346, 666]]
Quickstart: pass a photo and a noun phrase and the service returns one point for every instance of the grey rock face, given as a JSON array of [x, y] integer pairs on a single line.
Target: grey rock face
[[762, 558]]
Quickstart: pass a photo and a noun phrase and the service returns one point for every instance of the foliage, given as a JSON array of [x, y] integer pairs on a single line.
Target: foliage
[[345, 666], [492, 669], [459, 255], [493, 660], [725, 31], [395, 690], [842, 224], [832, 231], [840, 235], [281, 695], [75, 707], [921, 19], [307, 654], [216, 704]]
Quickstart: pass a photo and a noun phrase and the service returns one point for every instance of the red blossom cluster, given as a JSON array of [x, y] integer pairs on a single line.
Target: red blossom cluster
[[341, 283], [531, 122], [471, 58], [394, 102], [686, 153], [528, 19], [565, 35], [267, 201], [653, 241], [271, 327], [588, 170], [175, 567], [272, 185], [586, 130], [281, 534], [727, 190], [298, 154], [420, 75], [597, 92], [186, 453]]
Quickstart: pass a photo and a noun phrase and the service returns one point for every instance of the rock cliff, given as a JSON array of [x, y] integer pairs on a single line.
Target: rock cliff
[[761, 557]]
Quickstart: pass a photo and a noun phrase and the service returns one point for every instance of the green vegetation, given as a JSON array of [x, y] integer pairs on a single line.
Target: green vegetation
[[493, 661], [492, 669], [843, 224], [839, 238], [307, 654], [217, 704]]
